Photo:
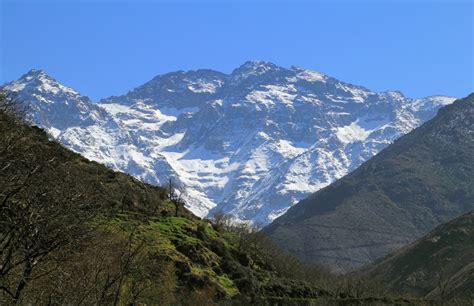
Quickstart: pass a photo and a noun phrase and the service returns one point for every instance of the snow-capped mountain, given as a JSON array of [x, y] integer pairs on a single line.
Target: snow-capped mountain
[[250, 143]]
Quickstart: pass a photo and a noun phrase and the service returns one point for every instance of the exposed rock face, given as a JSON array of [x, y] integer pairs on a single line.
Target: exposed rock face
[[251, 143]]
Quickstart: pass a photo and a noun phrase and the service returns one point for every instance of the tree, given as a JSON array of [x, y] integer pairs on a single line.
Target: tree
[[176, 194], [222, 221], [34, 222], [33, 225]]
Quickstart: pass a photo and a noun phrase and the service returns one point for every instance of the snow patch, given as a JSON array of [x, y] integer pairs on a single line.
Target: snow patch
[[203, 86], [54, 132], [312, 76], [352, 133], [430, 102]]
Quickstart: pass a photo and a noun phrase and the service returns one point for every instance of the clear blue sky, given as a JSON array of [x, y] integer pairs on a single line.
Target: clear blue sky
[[104, 48]]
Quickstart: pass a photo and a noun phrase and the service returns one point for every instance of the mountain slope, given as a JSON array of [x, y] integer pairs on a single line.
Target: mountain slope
[[250, 143], [441, 263], [423, 179], [74, 232]]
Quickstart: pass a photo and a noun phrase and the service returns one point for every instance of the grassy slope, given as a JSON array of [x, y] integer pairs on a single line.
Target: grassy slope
[[423, 179]]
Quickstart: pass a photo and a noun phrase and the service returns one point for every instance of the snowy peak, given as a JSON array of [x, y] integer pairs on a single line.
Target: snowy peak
[[52, 105], [179, 89], [251, 143], [201, 81], [252, 69], [33, 73], [42, 82], [38, 85], [309, 75], [255, 68]]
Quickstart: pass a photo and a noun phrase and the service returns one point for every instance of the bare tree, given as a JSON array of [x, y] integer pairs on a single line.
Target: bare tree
[[176, 194], [33, 225], [243, 230], [222, 221], [34, 221]]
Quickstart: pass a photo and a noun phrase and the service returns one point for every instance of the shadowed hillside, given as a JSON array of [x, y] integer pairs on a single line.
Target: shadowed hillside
[[440, 264], [422, 180]]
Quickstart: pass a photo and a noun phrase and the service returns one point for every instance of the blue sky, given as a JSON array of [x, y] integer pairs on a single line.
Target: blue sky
[[104, 48]]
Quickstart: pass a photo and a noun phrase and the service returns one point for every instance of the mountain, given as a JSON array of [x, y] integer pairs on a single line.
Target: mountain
[[420, 181], [439, 264], [75, 232], [54, 105], [250, 143]]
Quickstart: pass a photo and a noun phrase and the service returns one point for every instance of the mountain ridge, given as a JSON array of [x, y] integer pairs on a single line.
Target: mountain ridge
[[298, 130], [423, 179]]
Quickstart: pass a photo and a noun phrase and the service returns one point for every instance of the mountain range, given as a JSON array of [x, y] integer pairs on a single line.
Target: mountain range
[[251, 143], [423, 179], [73, 232]]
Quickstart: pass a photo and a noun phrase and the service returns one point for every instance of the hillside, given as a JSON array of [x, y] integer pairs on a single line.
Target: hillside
[[439, 264], [74, 232], [422, 180], [250, 143]]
